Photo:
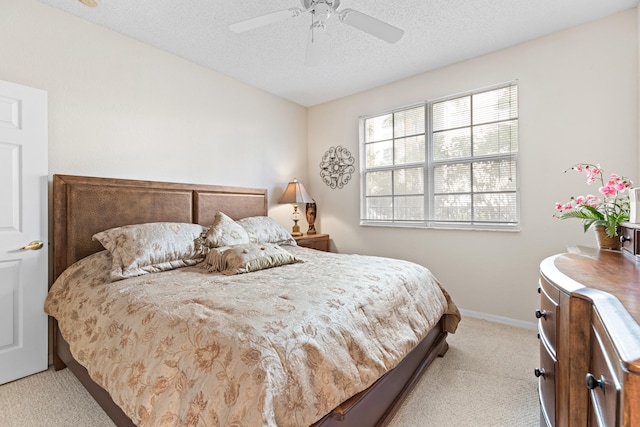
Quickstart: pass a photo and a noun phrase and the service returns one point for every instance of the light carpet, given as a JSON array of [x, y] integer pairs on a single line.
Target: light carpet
[[485, 379]]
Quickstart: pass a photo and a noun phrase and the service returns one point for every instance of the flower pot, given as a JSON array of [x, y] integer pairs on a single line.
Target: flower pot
[[606, 242]]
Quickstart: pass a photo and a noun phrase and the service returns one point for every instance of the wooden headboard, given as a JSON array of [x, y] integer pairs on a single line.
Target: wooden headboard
[[83, 206]]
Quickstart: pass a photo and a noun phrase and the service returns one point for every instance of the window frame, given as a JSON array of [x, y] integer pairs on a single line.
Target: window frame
[[429, 165]]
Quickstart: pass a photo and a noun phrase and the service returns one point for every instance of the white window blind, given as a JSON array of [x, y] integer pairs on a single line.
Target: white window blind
[[445, 163]]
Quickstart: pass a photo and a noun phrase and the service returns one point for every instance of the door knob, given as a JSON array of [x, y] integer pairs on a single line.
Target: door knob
[[33, 246]]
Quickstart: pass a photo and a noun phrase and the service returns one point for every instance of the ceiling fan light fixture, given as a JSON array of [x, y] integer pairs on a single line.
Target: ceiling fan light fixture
[[90, 3]]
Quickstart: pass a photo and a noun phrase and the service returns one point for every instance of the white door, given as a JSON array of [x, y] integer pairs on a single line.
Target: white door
[[23, 220]]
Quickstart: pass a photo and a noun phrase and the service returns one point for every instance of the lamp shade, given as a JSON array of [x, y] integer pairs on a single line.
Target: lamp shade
[[295, 193]]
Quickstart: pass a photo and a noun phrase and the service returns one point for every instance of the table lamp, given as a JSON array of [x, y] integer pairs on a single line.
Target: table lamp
[[294, 194]]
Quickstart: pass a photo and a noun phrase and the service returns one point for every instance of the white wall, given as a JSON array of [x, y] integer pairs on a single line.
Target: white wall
[[578, 103], [119, 108]]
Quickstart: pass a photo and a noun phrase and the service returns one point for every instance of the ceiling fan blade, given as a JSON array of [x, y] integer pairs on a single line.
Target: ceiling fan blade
[[314, 46], [269, 18], [371, 25]]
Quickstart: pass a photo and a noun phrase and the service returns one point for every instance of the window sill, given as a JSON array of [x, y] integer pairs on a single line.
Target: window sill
[[457, 227]]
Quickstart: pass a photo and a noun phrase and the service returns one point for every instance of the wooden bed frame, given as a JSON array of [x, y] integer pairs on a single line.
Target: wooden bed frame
[[83, 206]]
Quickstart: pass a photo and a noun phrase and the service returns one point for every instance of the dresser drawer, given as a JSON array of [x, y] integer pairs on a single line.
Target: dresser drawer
[[601, 380], [552, 292], [547, 387], [318, 242], [628, 238], [547, 315]]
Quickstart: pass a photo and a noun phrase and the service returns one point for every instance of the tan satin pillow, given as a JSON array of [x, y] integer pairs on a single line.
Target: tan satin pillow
[[224, 232], [149, 248], [248, 257]]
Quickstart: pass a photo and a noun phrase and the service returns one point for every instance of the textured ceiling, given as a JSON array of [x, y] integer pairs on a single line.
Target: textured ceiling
[[437, 33]]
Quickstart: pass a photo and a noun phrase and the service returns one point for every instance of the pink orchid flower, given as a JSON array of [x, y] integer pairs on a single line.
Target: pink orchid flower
[[608, 191], [608, 210]]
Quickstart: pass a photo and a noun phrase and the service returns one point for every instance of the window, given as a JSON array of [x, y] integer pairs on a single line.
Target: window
[[445, 163]]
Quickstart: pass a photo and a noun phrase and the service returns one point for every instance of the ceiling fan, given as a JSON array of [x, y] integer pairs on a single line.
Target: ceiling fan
[[321, 11]]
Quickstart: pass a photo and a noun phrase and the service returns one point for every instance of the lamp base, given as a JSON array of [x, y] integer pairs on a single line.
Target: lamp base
[[295, 232]]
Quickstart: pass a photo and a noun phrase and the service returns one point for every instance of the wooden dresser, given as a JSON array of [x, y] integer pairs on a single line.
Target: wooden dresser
[[588, 323]]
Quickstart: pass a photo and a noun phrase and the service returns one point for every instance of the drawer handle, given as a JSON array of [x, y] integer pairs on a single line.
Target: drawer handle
[[592, 382], [541, 313], [538, 373], [625, 239]]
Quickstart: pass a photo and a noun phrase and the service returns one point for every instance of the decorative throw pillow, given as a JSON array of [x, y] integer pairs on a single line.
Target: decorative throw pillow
[[148, 248], [263, 229], [224, 232], [248, 257]]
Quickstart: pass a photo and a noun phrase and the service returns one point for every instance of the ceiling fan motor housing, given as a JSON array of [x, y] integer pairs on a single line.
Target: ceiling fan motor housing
[[311, 4]]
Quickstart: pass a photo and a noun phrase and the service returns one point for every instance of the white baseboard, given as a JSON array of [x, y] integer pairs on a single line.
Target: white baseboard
[[499, 319]]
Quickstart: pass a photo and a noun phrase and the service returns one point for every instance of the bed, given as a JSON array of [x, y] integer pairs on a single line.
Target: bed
[[370, 387]]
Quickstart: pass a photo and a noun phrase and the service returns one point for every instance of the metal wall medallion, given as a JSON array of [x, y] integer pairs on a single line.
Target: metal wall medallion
[[336, 167]]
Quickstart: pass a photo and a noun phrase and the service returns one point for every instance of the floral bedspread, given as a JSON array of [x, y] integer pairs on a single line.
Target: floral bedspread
[[281, 346]]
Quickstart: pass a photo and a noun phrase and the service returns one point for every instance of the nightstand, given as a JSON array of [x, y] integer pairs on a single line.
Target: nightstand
[[318, 241]]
